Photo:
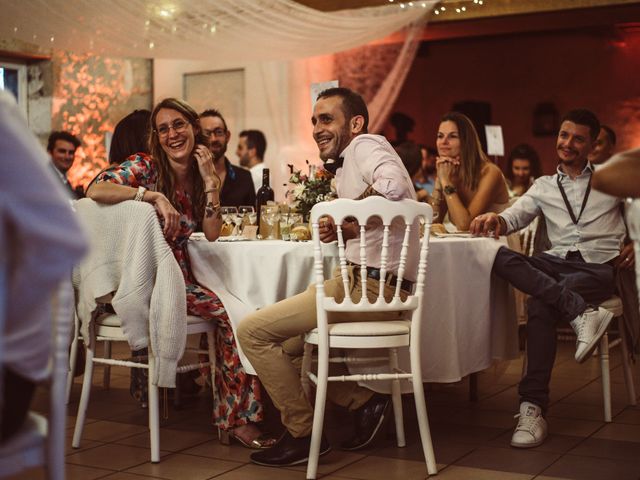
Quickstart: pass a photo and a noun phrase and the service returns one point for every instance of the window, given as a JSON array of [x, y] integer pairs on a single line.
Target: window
[[13, 78]]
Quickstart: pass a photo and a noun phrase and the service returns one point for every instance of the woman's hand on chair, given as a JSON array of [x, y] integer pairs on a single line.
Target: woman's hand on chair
[[169, 215]]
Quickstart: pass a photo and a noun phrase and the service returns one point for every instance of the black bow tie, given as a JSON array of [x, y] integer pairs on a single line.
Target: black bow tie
[[333, 165]]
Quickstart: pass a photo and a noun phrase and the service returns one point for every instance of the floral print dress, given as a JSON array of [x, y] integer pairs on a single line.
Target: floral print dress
[[239, 398]]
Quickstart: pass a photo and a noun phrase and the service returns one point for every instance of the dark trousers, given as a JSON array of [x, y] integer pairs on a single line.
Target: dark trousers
[[560, 290], [18, 392]]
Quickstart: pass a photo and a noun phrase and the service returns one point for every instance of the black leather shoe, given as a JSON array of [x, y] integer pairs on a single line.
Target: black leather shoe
[[288, 451], [368, 420]]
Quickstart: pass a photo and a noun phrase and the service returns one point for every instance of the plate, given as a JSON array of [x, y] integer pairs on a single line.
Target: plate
[[233, 238], [454, 234]]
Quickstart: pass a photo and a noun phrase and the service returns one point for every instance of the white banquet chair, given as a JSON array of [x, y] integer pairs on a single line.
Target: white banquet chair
[[131, 231], [40, 441], [391, 334]]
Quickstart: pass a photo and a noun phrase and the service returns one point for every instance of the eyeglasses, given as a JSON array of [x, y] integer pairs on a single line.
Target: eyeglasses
[[178, 126], [218, 132]]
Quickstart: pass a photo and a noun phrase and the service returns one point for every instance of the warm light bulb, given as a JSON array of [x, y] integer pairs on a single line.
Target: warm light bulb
[[151, 45]]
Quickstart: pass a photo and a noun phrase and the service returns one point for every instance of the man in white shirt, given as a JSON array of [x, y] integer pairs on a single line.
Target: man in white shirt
[[251, 147], [586, 231], [62, 148], [271, 338]]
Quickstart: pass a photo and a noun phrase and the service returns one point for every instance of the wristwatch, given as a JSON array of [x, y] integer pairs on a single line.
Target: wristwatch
[[449, 189]]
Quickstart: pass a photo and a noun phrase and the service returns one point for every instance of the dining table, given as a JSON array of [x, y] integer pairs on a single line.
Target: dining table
[[468, 318]]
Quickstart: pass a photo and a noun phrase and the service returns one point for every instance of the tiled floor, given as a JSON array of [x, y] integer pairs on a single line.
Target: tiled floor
[[471, 439]]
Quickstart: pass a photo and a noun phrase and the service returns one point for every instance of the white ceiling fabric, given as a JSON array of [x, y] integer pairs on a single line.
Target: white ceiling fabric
[[203, 29]]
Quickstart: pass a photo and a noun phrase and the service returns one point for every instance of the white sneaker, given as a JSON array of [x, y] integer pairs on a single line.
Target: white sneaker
[[590, 327], [531, 430]]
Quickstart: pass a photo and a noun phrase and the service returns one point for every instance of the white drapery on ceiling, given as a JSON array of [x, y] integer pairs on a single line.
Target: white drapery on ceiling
[[228, 30]]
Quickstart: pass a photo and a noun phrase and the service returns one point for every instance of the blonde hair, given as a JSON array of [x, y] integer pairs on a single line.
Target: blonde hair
[[166, 176], [472, 158]]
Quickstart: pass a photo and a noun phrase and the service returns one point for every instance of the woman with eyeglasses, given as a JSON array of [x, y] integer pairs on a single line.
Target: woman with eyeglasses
[[180, 181]]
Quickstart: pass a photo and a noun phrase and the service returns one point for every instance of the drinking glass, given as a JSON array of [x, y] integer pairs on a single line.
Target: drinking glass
[[287, 222], [271, 215], [228, 216]]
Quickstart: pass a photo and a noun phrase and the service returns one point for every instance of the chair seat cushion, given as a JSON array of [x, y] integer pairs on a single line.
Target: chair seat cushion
[[369, 329], [112, 320]]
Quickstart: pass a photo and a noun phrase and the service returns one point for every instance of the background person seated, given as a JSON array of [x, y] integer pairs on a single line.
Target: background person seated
[[425, 177], [62, 148], [523, 167], [604, 147], [237, 184], [468, 184]]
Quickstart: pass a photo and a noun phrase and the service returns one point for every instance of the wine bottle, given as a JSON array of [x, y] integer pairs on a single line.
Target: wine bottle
[[264, 195]]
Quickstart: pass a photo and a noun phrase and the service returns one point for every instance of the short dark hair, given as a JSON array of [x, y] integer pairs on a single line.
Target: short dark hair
[[212, 112], [352, 103], [130, 136], [61, 135], [257, 140], [525, 152], [610, 133], [582, 116]]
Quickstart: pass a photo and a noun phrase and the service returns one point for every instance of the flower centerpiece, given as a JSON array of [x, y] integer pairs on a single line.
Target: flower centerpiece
[[307, 190]]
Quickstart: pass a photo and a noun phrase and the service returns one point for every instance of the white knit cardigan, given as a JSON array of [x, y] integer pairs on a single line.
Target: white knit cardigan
[[130, 259]]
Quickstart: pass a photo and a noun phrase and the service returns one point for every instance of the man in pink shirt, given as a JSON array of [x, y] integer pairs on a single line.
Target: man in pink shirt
[[363, 165]]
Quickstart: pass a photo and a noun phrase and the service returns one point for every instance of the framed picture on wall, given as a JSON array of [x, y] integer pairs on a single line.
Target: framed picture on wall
[[223, 90]]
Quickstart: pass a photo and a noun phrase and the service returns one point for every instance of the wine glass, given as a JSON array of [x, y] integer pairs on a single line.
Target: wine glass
[[248, 214], [228, 216], [287, 222]]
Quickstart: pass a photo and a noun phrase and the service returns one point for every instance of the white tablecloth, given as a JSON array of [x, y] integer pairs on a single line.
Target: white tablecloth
[[469, 314]]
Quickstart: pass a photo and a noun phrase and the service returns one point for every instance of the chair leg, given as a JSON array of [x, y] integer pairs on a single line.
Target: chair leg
[[307, 360], [106, 373], [396, 398], [626, 367], [73, 357], [473, 387], [318, 411], [421, 410], [154, 413], [212, 364], [84, 396], [606, 381]]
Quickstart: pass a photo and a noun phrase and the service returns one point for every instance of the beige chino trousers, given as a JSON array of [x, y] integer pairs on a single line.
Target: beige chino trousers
[[272, 339]]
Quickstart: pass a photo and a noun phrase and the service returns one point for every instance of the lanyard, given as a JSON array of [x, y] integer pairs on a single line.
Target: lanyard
[[568, 205]]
